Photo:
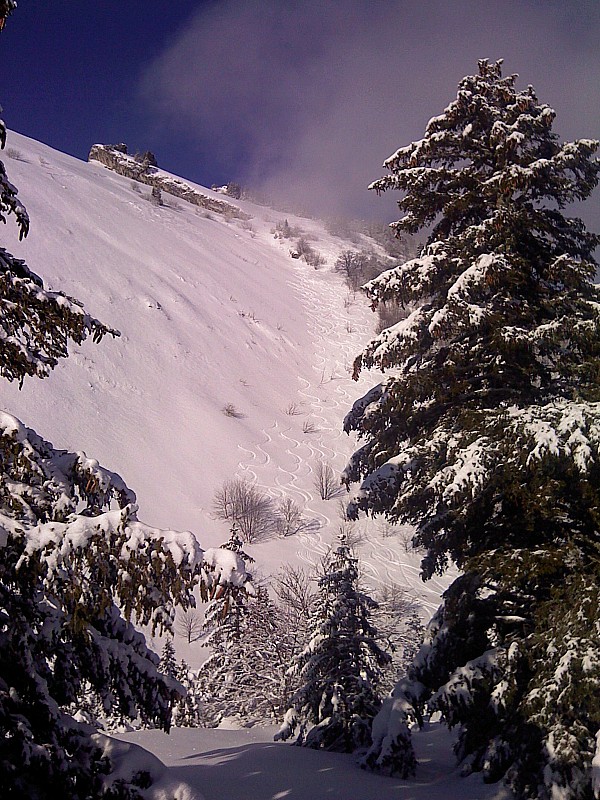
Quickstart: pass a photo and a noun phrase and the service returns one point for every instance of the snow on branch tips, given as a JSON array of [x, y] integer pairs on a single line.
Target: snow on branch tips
[[486, 433]]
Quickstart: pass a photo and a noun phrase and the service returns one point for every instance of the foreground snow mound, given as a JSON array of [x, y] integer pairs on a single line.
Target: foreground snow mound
[[134, 765]]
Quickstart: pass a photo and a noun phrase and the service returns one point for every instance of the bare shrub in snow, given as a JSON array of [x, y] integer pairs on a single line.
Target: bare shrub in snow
[[289, 519], [293, 410], [188, 624], [303, 246], [325, 481], [351, 265], [15, 154], [156, 196], [241, 503], [353, 534], [309, 427], [314, 259], [283, 230], [231, 411], [295, 589]]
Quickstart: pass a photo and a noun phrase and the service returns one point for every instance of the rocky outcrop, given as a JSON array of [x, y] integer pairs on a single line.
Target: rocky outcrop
[[116, 158]]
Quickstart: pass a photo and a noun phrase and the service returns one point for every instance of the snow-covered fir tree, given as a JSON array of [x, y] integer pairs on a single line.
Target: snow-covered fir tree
[[186, 708], [339, 669], [258, 685], [187, 712], [77, 567], [168, 660], [224, 624], [485, 435], [269, 646], [245, 676], [227, 609]]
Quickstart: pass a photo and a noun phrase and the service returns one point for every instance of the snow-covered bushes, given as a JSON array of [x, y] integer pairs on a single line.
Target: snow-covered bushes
[[283, 230], [307, 252], [245, 506], [245, 677]]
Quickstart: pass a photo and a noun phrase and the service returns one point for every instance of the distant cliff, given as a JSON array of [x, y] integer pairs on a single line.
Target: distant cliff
[[145, 170]]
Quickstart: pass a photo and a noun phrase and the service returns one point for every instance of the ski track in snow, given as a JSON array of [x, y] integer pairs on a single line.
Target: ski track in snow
[[339, 327]]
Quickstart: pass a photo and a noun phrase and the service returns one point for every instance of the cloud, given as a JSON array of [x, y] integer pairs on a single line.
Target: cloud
[[306, 100]]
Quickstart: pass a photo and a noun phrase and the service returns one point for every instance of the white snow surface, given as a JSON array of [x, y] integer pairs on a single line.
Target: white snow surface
[[213, 312], [246, 764]]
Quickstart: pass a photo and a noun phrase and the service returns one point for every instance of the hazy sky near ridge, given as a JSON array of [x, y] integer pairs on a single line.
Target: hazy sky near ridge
[[308, 100], [304, 100]]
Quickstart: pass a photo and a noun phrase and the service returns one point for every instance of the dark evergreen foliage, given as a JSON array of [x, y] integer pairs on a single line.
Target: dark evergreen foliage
[[341, 666], [485, 435], [72, 549]]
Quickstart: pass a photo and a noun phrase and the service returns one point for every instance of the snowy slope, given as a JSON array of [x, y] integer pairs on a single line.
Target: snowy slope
[[176, 284], [212, 312]]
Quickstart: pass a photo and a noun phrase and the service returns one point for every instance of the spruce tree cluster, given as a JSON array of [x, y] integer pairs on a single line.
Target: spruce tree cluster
[[339, 669], [245, 676], [186, 708], [485, 434]]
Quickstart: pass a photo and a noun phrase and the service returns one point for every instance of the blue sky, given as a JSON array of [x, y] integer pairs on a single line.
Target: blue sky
[[300, 100]]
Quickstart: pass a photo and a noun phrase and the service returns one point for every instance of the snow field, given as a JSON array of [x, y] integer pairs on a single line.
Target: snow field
[[211, 313], [247, 765]]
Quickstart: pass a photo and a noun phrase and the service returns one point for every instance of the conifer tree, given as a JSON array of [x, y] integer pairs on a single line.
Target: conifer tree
[[187, 712], [225, 620], [339, 669], [485, 435], [168, 662], [246, 675]]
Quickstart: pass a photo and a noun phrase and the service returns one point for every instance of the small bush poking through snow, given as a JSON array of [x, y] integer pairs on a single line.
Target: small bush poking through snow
[[325, 481], [289, 519], [231, 411], [242, 504], [15, 154]]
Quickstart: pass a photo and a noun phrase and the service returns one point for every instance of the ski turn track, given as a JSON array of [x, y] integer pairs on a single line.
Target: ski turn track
[[283, 463]]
